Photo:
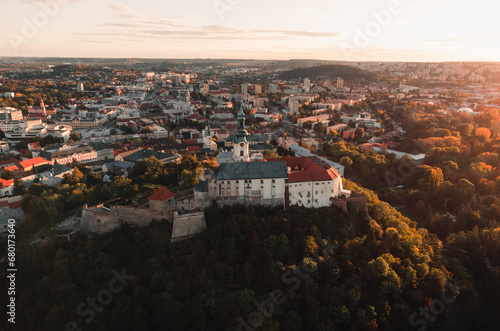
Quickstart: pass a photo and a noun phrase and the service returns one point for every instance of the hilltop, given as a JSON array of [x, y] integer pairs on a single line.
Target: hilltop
[[331, 71]]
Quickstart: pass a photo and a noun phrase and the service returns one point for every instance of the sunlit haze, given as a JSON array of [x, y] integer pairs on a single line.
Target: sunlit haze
[[393, 30]]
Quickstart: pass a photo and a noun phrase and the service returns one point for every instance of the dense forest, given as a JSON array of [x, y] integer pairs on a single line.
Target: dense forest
[[254, 267], [454, 194]]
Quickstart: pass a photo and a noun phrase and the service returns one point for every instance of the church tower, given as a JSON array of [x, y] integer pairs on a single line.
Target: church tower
[[207, 136], [240, 148], [42, 106]]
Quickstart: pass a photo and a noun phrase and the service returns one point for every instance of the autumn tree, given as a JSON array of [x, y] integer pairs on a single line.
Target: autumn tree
[[73, 178]]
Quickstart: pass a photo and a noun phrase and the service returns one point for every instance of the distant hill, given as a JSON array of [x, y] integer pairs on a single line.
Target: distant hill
[[348, 73]]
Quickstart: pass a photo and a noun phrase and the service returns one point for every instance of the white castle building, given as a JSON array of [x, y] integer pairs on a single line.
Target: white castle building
[[304, 181]]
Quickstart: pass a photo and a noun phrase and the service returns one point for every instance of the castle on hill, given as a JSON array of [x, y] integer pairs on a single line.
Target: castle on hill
[[304, 181]]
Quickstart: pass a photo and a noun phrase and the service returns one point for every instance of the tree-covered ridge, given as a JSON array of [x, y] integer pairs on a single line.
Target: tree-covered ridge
[[331, 71], [334, 271]]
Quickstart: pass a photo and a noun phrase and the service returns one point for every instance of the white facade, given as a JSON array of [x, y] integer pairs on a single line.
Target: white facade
[[80, 157], [248, 190], [35, 128], [6, 188], [77, 123], [293, 105], [10, 114], [7, 126], [4, 147], [307, 85], [241, 152], [6, 191], [314, 194]]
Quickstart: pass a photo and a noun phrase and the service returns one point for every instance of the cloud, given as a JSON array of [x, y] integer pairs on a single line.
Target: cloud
[[311, 34], [457, 40], [138, 25], [61, 2], [210, 32], [119, 8], [450, 40]]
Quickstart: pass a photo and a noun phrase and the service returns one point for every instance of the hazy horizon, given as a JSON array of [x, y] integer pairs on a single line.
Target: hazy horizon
[[238, 59], [391, 31]]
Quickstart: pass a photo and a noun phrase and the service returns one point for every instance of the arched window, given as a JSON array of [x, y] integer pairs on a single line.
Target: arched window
[[241, 153]]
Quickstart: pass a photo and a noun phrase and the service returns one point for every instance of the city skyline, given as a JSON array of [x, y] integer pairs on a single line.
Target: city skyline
[[402, 30]]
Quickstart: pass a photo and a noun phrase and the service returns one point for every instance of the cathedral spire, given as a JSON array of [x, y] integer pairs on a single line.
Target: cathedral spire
[[240, 149], [241, 118], [241, 133]]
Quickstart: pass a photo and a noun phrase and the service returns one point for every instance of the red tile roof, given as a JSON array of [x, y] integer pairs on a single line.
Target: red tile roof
[[8, 161], [190, 141], [33, 162], [120, 151], [308, 169], [162, 194], [6, 183], [34, 145], [12, 168]]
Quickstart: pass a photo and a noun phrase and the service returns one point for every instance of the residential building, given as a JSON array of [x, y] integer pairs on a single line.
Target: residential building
[[67, 153], [32, 128], [312, 182], [293, 105], [28, 165], [340, 83], [307, 85], [6, 187], [10, 114], [141, 154], [79, 123]]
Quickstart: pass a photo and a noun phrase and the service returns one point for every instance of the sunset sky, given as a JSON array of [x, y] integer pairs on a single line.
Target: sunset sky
[[415, 30]]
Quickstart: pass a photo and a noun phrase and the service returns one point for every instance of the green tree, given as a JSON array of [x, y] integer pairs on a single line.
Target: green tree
[[19, 187], [124, 188], [148, 170], [6, 174], [75, 136], [319, 128], [358, 134], [430, 178], [191, 177], [38, 189], [189, 163], [270, 155], [276, 246], [93, 179], [346, 161], [74, 178]]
